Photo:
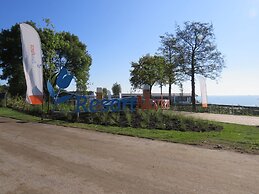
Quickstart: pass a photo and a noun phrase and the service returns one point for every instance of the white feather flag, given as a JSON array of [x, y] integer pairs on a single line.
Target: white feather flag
[[204, 100], [32, 64]]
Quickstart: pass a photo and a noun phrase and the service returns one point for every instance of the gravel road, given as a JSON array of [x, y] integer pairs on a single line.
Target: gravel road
[[40, 158]]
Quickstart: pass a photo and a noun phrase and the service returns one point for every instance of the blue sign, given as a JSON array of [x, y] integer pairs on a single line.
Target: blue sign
[[85, 103], [63, 81], [105, 105]]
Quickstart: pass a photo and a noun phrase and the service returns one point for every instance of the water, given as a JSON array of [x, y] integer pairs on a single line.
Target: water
[[251, 100]]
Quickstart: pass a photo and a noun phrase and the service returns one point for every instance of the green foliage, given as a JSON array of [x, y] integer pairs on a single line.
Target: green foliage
[[19, 103], [171, 52], [105, 93], [11, 60], [60, 49], [191, 51], [7, 112], [234, 137], [3, 88], [148, 70], [3, 96], [161, 72], [200, 55], [163, 120], [116, 89], [74, 56], [148, 119], [197, 42]]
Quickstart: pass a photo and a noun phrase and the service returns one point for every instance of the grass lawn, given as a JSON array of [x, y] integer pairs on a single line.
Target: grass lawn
[[235, 137]]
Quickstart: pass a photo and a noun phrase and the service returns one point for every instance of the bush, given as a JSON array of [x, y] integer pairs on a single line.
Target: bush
[[148, 119], [18, 103]]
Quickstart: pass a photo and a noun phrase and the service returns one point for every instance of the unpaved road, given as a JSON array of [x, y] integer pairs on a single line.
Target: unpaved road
[[41, 158]]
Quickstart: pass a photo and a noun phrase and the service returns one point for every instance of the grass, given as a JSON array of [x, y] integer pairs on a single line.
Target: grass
[[235, 137], [7, 112]]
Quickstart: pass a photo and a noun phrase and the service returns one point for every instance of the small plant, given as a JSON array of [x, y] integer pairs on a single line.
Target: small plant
[[136, 119], [128, 117]]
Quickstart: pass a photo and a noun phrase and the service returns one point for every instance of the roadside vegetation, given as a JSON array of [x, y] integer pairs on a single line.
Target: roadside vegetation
[[145, 119], [240, 138]]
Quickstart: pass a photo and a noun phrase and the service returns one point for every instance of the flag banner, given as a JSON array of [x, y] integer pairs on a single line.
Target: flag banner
[[32, 63], [204, 100]]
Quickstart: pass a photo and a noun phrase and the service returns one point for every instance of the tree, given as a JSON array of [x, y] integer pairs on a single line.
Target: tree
[[147, 71], [116, 89], [197, 42], [105, 93], [59, 49], [161, 72], [173, 58], [3, 88], [11, 60], [73, 55]]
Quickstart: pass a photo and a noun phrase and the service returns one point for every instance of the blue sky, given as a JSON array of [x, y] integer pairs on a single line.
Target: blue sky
[[118, 32]]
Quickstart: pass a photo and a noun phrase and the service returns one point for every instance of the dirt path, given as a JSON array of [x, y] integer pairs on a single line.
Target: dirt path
[[238, 119], [40, 158]]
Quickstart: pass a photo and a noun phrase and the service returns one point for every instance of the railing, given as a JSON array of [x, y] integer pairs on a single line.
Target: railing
[[219, 109]]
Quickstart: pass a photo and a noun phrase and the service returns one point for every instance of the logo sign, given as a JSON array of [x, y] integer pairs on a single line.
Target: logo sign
[[86, 103]]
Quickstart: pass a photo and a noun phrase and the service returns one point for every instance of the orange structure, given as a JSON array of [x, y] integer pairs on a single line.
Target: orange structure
[[146, 103]]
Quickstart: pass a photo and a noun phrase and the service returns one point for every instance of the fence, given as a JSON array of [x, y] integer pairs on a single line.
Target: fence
[[220, 109]]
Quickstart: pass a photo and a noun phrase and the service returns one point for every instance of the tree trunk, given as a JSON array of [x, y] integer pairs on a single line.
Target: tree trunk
[[161, 91], [193, 84], [170, 92], [150, 87]]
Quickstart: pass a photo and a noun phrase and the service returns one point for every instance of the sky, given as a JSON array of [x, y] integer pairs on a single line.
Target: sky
[[118, 32]]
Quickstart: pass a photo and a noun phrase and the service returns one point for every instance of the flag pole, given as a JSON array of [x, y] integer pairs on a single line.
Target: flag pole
[[42, 105]]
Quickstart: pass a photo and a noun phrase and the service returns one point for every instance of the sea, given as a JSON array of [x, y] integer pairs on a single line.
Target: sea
[[249, 100]]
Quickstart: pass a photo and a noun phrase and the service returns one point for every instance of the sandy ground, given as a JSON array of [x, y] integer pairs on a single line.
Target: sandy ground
[[238, 119], [40, 158]]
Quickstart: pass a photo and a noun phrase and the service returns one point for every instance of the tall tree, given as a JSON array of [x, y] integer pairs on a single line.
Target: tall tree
[[173, 58], [147, 71], [59, 49], [197, 42], [116, 89]]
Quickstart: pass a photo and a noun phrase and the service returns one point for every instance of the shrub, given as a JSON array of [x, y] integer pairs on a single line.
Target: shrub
[[139, 119]]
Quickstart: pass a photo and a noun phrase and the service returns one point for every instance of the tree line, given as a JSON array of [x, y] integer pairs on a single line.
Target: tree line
[[60, 49], [182, 55]]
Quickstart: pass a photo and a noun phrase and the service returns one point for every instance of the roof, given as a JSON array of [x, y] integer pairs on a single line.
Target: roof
[[157, 94]]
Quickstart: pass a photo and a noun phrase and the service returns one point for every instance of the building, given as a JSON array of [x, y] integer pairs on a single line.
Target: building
[[178, 98]]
